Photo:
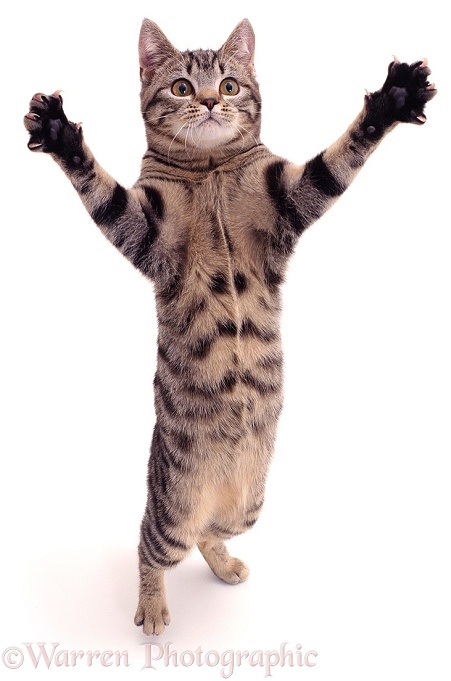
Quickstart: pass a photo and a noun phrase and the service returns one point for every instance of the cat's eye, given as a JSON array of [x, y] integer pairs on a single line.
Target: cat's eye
[[229, 86], [182, 88]]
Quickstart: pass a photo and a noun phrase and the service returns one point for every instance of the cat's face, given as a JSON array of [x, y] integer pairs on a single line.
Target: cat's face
[[199, 104], [202, 109]]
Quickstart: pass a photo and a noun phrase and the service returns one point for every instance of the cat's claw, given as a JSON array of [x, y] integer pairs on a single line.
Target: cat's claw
[[34, 146]]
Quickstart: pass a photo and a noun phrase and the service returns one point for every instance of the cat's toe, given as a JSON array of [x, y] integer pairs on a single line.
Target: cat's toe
[[240, 569], [43, 101], [33, 125], [420, 70]]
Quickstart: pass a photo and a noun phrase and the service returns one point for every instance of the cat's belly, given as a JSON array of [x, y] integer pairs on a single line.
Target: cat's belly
[[222, 415], [218, 388]]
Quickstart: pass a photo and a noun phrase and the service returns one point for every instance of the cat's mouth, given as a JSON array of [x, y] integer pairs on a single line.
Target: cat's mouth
[[209, 117], [208, 130]]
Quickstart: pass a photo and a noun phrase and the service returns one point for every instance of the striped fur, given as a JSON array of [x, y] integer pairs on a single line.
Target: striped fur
[[212, 222]]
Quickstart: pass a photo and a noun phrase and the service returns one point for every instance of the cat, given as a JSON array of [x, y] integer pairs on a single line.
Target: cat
[[212, 221]]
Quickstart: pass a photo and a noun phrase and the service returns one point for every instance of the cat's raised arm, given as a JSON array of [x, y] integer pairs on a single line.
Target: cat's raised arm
[[302, 194], [129, 218]]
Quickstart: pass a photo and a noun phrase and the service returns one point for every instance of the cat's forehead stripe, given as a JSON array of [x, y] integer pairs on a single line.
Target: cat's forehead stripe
[[203, 59]]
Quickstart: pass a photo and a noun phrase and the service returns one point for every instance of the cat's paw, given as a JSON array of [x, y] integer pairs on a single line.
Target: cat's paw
[[230, 570], [152, 614], [49, 129], [233, 571], [409, 89], [404, 94]]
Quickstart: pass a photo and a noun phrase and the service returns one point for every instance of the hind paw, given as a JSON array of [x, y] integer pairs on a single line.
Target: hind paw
[[230, 570], [233, 571]]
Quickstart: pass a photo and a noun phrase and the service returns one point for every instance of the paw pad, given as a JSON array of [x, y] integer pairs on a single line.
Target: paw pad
[[404, 94], [51, 132]]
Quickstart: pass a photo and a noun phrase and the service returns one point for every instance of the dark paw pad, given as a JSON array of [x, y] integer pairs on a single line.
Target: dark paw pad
[[408, 90], [49, 129]]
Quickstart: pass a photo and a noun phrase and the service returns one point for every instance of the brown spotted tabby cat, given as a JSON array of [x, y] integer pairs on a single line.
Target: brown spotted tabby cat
[[212, 221]]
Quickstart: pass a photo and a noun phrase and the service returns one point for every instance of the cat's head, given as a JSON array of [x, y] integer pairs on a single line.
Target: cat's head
[[201, 104]]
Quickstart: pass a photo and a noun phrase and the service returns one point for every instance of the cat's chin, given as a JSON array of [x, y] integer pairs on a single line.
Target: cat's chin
[[209, 135]]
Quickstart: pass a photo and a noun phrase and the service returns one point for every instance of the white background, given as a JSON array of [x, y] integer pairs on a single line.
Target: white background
[[351, 556]]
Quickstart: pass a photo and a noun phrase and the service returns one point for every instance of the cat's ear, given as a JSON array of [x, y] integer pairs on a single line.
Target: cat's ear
[[241, 45], [154, 48]]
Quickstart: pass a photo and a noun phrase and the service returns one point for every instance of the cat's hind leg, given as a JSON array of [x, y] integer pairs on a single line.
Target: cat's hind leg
[[173, 519], [152, 612], [229, 569], [180, 505], [232, 518]]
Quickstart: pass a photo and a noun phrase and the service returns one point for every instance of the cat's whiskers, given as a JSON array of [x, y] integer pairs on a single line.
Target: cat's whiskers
[[157, 118], [190, 130], [173, 139], [248, 132], [236, 127]]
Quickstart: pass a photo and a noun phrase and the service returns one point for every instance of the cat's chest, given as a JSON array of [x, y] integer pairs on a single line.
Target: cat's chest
[[216, 220], [212, 225]]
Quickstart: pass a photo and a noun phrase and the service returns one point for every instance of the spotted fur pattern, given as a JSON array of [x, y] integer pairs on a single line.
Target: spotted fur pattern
[[212, 222]]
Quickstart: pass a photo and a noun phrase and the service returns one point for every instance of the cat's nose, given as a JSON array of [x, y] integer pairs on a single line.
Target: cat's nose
[[209, 102]]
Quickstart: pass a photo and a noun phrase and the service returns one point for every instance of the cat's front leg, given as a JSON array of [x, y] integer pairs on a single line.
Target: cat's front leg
[[128, 217], [401, 99], [301, 195]]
